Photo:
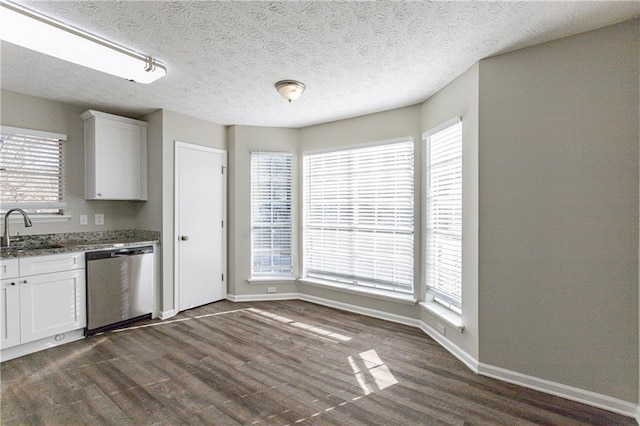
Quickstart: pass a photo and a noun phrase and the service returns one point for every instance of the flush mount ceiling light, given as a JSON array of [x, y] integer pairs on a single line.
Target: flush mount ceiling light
[[34, 31], [290, 90]]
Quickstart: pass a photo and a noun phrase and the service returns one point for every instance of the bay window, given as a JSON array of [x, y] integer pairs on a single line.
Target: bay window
[[359, 216], [444, 215], [271, 215]]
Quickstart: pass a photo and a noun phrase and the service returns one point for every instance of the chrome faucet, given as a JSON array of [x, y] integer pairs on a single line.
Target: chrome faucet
[[6, 239]]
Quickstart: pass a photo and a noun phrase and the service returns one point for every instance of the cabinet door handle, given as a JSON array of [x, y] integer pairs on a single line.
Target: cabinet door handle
[[184, 238], [26, 282], [13, 283]]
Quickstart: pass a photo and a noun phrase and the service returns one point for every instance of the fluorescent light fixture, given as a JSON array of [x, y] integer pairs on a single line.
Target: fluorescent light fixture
[[34, 31]]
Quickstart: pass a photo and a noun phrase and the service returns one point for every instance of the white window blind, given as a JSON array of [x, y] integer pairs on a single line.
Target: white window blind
[[358, 216], [32, 170], [271, 225], [444, 216]]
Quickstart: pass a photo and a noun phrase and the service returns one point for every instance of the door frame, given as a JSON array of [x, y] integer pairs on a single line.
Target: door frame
[[176, 215]]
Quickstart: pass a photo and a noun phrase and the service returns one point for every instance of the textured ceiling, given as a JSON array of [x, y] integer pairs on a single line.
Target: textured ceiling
[[224, 57]]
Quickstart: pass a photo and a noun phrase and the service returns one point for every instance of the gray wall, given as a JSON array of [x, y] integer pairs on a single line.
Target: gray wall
[[243, 140], [460, 98], [29, 112], [150, 216], [558, 291]]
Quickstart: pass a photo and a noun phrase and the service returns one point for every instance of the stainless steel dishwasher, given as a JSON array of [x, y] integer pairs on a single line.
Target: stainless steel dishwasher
[[120, 287]]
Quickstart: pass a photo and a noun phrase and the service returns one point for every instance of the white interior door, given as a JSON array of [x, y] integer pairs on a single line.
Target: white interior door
[[200, 225]]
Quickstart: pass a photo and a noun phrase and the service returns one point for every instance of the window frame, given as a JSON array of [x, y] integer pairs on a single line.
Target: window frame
[[348, 282], [53, 210], [258, 276], [444, 304]]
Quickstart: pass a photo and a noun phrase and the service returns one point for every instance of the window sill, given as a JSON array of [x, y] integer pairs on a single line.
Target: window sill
[[370, 292], [40, 218], [271, 280], [444, 314]]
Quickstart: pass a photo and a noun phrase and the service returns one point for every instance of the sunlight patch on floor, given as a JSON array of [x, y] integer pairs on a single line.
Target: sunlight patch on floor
[[300, 325], [371, 372], [221, 313], [359, 375], [306, 327], [67, 360]]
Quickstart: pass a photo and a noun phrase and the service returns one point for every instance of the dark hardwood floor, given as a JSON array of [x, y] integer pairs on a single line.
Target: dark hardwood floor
[[286, 362]]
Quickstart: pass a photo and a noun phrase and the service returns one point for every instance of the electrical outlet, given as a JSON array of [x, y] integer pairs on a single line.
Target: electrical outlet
[[84, 220], [271, 289], [99, 219], [442, 329]]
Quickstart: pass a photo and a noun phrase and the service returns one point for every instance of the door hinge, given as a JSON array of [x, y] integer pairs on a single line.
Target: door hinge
[[222, 223], [223, 169], [222, 277]]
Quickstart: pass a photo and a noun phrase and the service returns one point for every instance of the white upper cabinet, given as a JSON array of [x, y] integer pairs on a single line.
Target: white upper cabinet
[[115, 157]]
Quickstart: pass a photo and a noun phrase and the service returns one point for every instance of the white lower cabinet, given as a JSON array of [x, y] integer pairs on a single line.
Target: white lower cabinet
[[51, 304], [46, 299]]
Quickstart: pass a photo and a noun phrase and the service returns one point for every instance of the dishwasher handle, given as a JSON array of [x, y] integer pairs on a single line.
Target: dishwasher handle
[[114, 253], [131, 252]]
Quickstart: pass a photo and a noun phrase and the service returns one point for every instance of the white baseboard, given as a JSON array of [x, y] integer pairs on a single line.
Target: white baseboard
[[262, 297], [454, 349], [360, 310], [168, 314], [558, 389]]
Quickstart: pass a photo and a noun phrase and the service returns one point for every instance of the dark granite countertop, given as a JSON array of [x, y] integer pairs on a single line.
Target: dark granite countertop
[[46, 244]]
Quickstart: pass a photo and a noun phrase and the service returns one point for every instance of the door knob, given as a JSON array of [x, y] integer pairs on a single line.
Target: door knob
[[184, 238]]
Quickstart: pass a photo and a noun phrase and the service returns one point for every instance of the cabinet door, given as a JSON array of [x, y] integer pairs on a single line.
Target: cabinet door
[[117, 160], [9, 313], [51, 304]]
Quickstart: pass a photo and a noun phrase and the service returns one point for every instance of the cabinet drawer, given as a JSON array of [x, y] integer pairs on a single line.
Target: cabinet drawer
[[53, 263], [9, 268]]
